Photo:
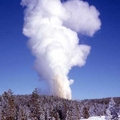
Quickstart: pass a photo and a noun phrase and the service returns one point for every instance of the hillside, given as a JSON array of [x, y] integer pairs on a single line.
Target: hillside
[[43, 107]]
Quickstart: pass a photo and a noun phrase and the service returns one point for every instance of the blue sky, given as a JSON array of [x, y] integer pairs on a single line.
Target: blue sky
[[99, 78]]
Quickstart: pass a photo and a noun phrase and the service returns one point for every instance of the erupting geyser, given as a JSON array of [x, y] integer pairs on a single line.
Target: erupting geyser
[[52, 29]]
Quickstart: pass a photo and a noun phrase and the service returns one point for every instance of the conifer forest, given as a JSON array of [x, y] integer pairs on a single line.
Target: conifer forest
[[43, 107]]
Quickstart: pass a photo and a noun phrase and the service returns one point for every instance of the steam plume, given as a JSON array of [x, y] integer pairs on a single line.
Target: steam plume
[[52, 29]]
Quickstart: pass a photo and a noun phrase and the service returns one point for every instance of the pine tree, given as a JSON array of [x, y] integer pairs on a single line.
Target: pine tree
[[111, 112], [85, 113], [9, 105], [35, 107]]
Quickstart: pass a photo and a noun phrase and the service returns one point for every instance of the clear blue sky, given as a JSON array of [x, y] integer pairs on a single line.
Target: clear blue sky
[[99, 78]]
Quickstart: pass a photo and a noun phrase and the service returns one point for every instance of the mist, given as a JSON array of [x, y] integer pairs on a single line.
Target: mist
[[52, 27]]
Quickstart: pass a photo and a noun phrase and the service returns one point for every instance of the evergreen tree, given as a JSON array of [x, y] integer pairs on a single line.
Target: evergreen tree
[[9, 105], [85, 113], [111, 112]]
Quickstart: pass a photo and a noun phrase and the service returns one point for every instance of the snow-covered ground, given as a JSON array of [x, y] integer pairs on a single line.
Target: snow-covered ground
[[98, 118], [95, 118]]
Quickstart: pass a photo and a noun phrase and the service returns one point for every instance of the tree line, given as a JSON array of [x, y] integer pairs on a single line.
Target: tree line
[[43, 107]]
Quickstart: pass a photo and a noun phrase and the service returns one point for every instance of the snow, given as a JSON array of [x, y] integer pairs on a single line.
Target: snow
[[95, 118]]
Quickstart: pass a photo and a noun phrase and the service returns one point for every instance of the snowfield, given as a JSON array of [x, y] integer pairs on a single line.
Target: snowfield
[[95, 118], [98, 118]]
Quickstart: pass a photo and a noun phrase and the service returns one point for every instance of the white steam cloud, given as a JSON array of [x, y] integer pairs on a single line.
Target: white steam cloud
[[52, 29]]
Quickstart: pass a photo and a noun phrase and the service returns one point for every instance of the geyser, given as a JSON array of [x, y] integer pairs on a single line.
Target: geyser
[[52, 27]]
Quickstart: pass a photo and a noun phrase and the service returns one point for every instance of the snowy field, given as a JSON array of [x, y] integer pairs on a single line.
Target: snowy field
[[98, 118], [95, 118]]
